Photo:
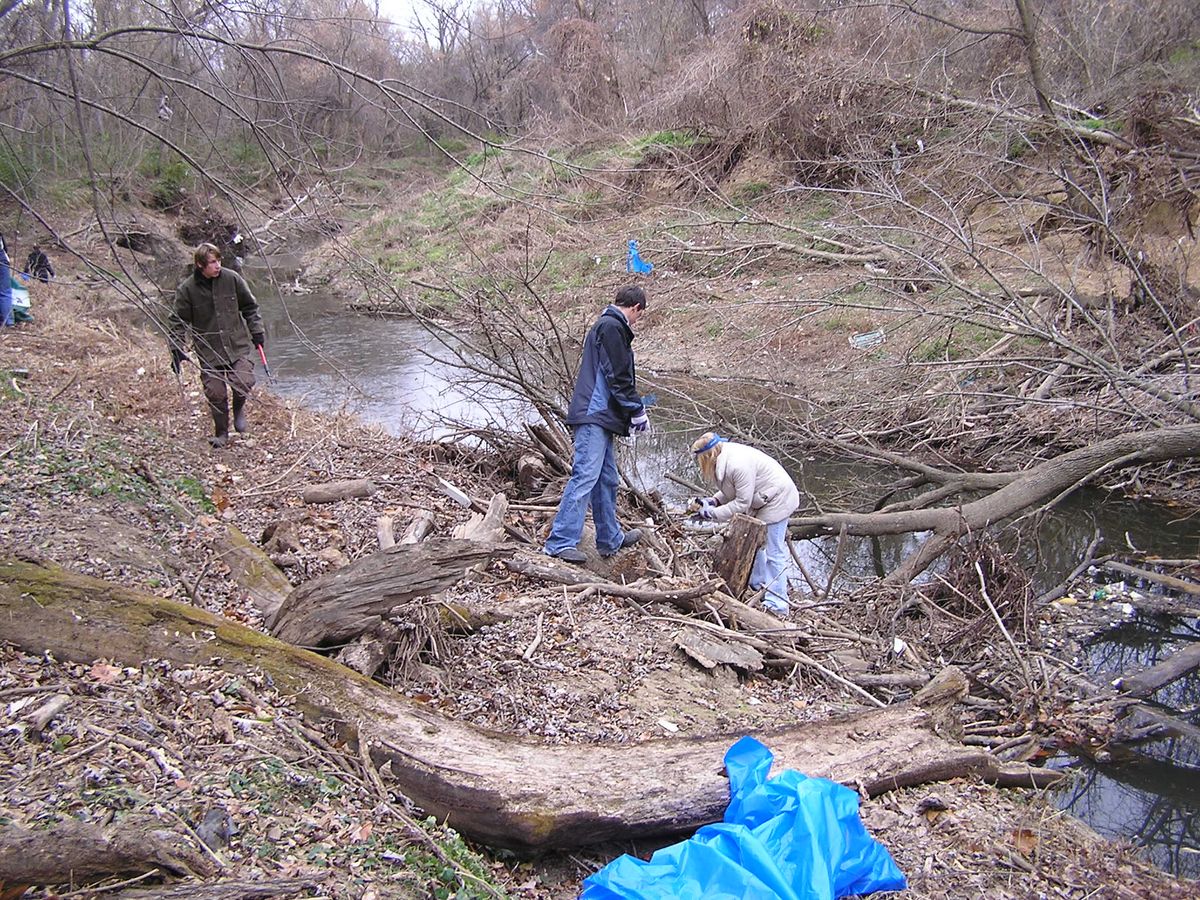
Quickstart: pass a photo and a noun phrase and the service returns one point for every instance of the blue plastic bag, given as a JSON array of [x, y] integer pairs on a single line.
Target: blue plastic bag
[[635, 263], [790, 837]]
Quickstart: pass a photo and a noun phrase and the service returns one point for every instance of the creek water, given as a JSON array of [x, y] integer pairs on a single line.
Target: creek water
[[393, 373]]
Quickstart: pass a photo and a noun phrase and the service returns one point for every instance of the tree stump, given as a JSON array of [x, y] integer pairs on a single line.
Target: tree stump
[[734, 559]]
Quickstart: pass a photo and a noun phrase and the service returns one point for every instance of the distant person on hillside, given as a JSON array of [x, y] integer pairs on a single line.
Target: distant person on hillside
[[605, 404], [37, 265], [749, 481], [6, 297], [235, 250], [216, 306]]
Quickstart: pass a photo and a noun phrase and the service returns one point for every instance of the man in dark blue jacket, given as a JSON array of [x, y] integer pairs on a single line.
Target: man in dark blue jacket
[[605, 404]]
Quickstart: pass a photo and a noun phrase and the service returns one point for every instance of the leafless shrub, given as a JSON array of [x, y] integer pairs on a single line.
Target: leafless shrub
[[578, 71]]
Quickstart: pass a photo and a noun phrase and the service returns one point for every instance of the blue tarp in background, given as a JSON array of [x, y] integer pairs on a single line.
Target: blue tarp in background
[[635, 263], [791, 837]]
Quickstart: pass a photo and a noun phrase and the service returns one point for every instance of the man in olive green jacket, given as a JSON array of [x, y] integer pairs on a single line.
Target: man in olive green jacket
[[218, 309]]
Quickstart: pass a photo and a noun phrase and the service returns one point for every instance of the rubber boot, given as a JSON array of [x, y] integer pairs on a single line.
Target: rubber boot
[[220, 416], [239, 414]]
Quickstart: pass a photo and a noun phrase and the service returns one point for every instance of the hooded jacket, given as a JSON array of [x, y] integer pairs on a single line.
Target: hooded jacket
[[221, 313], [606, 388], [750, 482]]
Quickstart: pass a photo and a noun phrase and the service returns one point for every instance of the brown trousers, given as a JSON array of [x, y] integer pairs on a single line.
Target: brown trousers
[[218, 383]]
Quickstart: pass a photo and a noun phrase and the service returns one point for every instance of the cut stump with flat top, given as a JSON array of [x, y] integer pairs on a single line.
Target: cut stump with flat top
[[734, 560]]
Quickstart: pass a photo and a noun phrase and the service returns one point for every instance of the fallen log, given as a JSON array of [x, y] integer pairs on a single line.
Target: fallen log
[[228, 890], [497, 789], [704, 599], [1010, 493], [332, 491], [1177, 584], [338, 607], [1174, 667], [74, 850]]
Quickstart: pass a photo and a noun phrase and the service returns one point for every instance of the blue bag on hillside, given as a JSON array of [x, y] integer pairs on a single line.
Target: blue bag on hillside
[[635, 263], [791, 837]]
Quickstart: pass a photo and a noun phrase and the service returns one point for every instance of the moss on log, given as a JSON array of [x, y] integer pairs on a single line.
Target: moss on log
[[497, 789]]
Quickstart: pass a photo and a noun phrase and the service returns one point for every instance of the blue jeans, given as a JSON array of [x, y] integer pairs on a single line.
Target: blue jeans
[[593, 482], [770, 567], [6, 297]]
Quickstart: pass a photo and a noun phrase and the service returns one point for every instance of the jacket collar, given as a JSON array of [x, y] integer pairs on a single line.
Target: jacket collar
[[615, 311]]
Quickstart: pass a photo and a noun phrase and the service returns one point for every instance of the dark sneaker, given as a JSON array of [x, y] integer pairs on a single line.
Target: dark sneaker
[[570, 555], [632, 536]]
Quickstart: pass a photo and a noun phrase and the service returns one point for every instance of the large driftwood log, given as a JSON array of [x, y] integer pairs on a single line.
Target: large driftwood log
[[77, 850], [500, 790], [1177, 584], [338, 607], [734, 559]]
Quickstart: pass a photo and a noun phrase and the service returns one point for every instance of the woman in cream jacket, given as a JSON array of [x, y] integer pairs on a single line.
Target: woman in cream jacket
[[750, 482]]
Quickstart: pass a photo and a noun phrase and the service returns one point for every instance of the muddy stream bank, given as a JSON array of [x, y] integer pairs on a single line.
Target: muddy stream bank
[[391, 372]]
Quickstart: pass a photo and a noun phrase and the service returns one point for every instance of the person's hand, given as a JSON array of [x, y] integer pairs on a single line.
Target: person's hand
[[177, 357], [640, 423], [258, 338], [700, 502], [707, 510]]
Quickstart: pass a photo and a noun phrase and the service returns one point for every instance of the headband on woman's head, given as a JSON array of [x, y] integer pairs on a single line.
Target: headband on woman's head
[[716, 439]]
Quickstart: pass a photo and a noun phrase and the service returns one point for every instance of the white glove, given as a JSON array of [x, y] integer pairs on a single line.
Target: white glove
[[640, 423]]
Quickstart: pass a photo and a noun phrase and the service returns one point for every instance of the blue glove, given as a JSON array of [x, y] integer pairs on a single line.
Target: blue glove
[[707, 510], [640, 423]]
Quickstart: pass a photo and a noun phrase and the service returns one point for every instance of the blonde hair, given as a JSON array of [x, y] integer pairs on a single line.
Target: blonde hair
[[707, 459]]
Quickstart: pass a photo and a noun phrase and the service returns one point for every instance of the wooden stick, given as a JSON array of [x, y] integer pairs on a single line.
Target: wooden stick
[[1170, 581]]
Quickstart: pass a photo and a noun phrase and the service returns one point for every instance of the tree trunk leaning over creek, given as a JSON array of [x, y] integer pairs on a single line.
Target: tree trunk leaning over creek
[[1045, 484], [499, 790]]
